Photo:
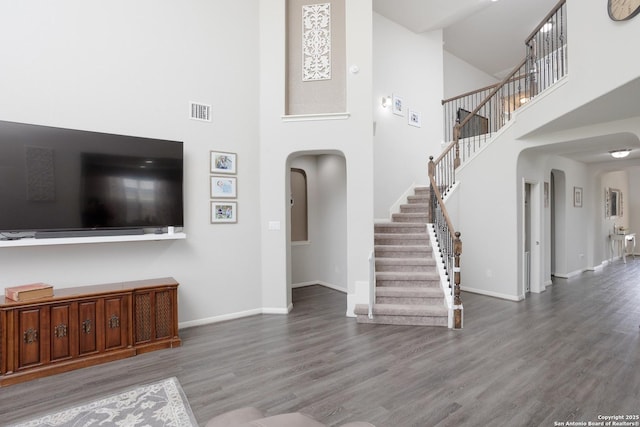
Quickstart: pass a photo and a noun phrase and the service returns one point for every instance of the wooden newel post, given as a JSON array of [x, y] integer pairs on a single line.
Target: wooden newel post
[[457, 302], [432, 205], [456, 138]]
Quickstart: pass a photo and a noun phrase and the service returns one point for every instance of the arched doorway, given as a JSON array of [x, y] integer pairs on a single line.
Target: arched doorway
[[321, 258]]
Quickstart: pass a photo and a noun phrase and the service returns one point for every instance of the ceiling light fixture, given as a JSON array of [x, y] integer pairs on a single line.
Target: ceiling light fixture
[[620, 154]]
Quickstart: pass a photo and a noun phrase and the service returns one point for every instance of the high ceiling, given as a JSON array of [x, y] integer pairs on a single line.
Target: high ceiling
[[490, 35], [487, 34]]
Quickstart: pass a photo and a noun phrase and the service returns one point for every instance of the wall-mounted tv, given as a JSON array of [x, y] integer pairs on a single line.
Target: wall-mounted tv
[[64, 182]]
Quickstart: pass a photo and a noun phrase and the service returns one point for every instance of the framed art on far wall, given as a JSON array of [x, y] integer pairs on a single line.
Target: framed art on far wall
[[415, 119], [577, 197], [398, 108], [224, 186], [223, 162], [223, 211]]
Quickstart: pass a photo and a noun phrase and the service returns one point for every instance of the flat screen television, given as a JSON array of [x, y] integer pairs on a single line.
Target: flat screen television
[[58, 182]]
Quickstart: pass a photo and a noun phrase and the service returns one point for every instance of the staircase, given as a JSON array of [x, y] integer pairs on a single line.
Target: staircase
[[408, 288]]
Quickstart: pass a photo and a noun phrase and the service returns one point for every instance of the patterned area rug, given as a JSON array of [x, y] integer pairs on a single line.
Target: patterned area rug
[[158, 404]]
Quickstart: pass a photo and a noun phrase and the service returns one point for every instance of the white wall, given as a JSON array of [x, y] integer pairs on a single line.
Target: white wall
[[408, 65], [132, 68], [281, 138], [323, 258], [461, 77]]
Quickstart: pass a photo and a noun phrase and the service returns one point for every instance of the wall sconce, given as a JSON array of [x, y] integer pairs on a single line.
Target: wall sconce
[[620, 154], [386, 101]]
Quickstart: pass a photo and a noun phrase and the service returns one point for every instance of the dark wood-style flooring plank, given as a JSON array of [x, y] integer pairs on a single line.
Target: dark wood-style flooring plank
[[569, 354]]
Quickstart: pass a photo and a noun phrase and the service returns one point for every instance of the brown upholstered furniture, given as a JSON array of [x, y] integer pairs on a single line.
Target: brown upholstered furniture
[[253, 417]]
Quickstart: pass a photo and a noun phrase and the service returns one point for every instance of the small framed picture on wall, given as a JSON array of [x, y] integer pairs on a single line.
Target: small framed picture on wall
[[223, 162], [414, 118], [224, 186], [223, 211], [398, 105]]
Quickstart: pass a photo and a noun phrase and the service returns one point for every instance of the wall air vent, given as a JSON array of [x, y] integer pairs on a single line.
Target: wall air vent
[[199, 111]]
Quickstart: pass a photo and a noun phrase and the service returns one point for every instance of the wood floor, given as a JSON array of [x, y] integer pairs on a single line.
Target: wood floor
[[571, 353]]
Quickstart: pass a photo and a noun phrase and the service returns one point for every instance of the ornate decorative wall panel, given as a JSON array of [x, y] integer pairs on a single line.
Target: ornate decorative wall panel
[[316, 42]]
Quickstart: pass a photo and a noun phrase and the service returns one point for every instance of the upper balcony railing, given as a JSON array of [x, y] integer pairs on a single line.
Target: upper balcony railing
[[474, 116]]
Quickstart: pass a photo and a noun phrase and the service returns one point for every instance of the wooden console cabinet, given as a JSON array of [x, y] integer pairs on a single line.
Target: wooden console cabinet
[[85, 326]]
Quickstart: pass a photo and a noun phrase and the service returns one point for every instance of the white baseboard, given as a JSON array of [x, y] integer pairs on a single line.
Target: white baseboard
[[217, 319], [275, 310], [263, 310], [598, 267], [321, 283], [570, 274], [493, 294]]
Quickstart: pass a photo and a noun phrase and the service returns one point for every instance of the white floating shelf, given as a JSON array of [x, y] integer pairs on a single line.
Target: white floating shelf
[[82, 240]]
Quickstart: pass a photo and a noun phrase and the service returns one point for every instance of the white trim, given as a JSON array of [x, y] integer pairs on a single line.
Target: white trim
[[301, 243], [548, 283], [570, 274], [319, 282], [233, 316], [315, 117], [402, 200], [493, 294], [276, 310], [217, 319]]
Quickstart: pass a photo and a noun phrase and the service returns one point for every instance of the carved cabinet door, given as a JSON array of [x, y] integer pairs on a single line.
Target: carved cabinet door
[[29, 337], [60, 341], [87, 342], [116, 323]]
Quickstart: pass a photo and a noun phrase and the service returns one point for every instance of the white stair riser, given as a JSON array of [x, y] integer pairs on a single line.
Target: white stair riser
[[408, 283], [405, 320], [400, 217], [410, 300], [405, 268], [388, 240]]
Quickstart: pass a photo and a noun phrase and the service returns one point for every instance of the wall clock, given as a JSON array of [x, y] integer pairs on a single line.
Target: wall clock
[[621, 10]]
